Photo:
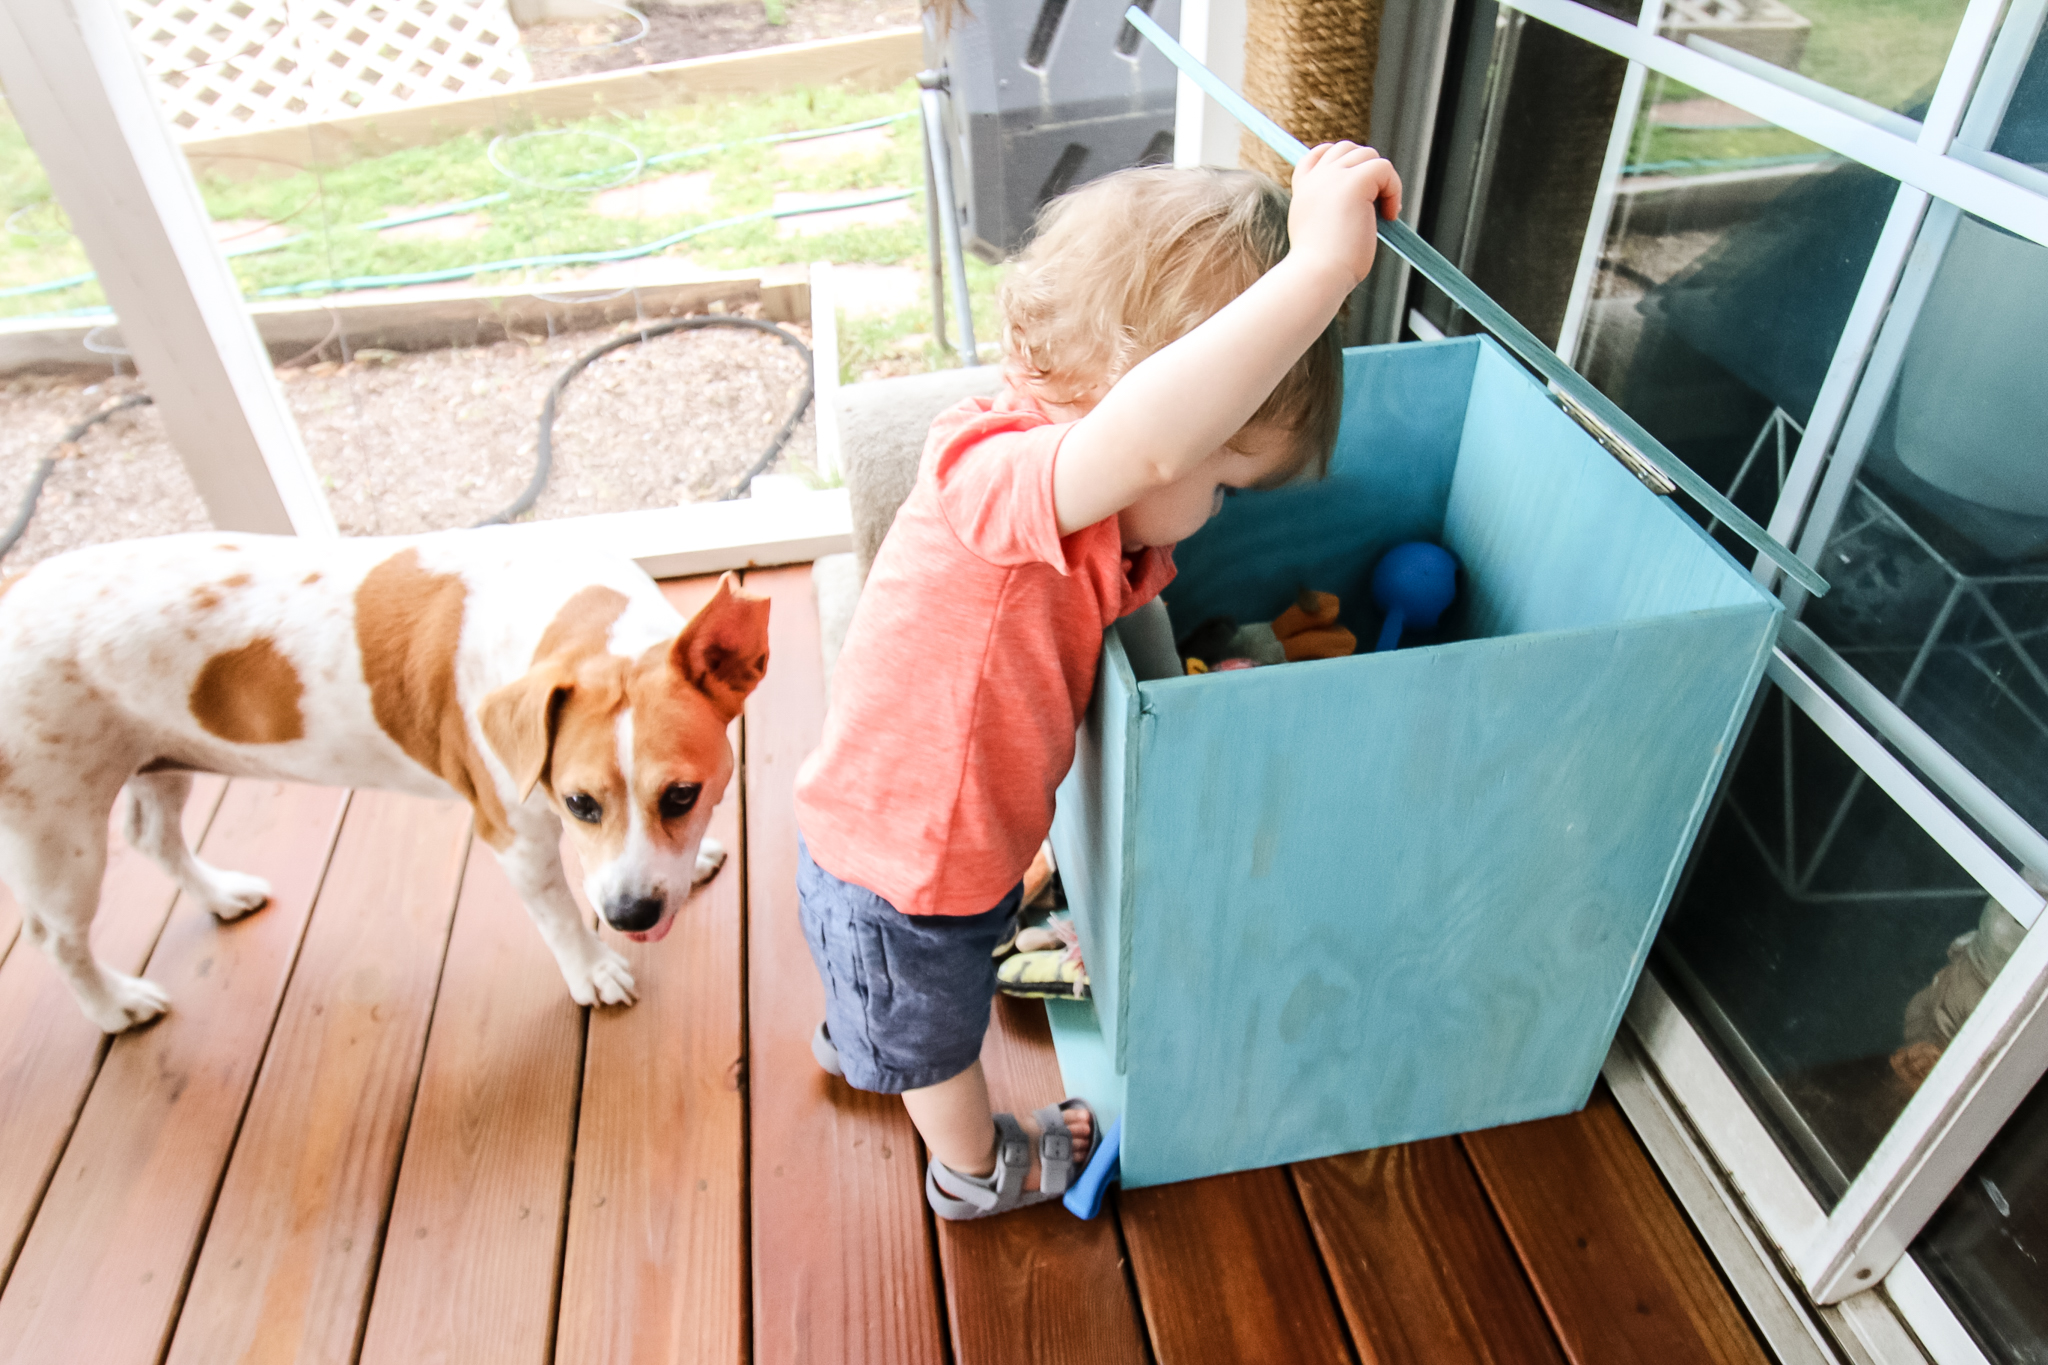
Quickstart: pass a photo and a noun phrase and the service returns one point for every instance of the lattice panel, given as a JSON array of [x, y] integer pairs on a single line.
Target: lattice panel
[[228, 66]]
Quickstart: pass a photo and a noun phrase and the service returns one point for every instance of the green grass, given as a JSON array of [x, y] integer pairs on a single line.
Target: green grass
[[902, 343], [1889, 52], [325, 206]]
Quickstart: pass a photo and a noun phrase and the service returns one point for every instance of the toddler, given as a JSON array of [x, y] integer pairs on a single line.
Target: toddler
[[1169, 339]]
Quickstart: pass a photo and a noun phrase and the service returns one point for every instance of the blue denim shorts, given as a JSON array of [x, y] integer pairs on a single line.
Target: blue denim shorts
[[906, 996]]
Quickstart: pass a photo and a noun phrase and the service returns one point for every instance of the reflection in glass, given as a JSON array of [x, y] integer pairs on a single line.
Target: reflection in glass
[[1889, 53], [1722, 289], [1826, 944], [1987, 1247], [1939, 557], [2023, 134]]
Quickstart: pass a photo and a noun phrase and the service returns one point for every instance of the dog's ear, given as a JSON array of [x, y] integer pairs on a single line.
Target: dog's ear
[[520, 718], [723, 652]]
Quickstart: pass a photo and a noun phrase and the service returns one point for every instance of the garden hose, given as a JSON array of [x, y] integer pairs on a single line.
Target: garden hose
[[13, 534], [544, 447], [544, 452]]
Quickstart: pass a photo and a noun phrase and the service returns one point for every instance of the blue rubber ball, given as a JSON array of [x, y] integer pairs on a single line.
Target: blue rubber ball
[[1418, 580]]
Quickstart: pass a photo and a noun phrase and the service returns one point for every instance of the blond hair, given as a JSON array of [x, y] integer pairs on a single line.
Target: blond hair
[[1132, 262]]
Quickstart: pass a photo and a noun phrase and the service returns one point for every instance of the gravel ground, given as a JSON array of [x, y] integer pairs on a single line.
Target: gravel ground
[[679, 29], [435, 439]]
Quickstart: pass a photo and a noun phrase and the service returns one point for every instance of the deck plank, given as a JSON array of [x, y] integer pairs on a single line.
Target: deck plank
[[1038, 1285], [49, 1051], [287, 1265], [130, 1200], [842, 1261], [1422, 1271], [656, 1266], [1612, 1259], [468, 1271], [1227, 1271]]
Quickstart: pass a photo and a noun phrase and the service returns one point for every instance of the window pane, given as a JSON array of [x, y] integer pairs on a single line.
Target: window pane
[[1890, 52], [118, 478], [2023, 134], [1940, 595], [1826, 944], [1730, 264], [1985, 1249]]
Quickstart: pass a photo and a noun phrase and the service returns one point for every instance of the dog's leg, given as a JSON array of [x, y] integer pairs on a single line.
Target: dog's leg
[[595, 973], [55, 869], [154, 824]]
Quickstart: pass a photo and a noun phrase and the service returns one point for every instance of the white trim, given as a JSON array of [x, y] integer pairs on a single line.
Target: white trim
[[1203, 133], [1986, 1071], [1874, 114], [1776, 1305], [706, 537], [1757, 1167], [825, 365], [1916, 1299], [1962, 786], [1600, 219], [1987, 196], [1897, 781], [1422, 327], [78, 90], [1886, 355], [2002, 71], [1838, 388]]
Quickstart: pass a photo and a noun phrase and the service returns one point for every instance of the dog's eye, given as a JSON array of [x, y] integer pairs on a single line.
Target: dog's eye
[[678, 799], [583, 807]]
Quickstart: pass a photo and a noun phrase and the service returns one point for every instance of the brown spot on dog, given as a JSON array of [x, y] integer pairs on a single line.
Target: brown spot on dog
[[205, 598], [310, 579], [250, 695], [240, 580], [10, 581], [408, 626]]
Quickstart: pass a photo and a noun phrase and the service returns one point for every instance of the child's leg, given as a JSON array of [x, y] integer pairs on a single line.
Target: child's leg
[[958, 1124]]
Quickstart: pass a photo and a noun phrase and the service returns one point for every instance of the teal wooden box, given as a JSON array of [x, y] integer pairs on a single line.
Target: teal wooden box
[[1336, 905]]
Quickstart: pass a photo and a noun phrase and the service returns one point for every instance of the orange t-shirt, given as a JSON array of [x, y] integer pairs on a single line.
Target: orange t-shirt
[[966, 670]]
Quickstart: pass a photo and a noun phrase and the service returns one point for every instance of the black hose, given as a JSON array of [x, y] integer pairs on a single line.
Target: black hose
[[544, 448], [13, 534]]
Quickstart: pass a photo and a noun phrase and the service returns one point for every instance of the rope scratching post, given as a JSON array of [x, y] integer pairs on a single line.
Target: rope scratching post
[[1309, 63]]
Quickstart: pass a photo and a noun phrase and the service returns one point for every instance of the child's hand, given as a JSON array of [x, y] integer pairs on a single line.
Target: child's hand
[[1337, 189]]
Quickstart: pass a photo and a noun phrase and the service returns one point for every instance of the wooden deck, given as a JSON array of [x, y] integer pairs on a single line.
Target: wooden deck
[[375, 1128]]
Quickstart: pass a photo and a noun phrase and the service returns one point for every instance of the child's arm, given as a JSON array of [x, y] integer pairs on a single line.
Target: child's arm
[[1175, 408]]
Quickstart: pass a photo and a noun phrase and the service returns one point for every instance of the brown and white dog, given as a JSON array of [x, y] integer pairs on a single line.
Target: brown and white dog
[[542, 693]]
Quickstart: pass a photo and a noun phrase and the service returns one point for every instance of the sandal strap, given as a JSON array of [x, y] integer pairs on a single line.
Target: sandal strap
[[974, 1196], [1055, 1148]]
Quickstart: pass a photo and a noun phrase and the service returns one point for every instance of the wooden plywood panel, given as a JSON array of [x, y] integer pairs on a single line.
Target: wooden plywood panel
[[129, 1201], [1423, 1272], [842, 1261], [1037, 1285], [469, 1265], [1227, 1270], [1612, 1259], [286, 1269], [656, 1266], [49, 1051], [1440, 872]]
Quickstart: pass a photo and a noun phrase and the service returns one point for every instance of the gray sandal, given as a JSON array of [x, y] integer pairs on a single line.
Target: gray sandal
[[826, 1054], [962, 1197]]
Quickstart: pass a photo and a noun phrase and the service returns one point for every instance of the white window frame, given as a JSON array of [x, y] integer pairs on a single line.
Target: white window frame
[[2002, 1049], [79, 90]]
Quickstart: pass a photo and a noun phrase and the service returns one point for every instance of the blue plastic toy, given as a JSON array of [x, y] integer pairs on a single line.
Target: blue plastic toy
[[1413, 584], [1084, 1197]]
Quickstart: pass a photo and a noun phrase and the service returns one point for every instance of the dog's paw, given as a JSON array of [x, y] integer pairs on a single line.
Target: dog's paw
[[231, 895], [710, 857], [606, 981], [129, 1001]]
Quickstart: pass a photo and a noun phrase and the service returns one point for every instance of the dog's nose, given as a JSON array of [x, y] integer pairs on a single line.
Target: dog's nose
[[634, 916]]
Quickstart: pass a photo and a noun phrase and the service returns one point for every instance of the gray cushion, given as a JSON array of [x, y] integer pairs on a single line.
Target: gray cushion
[[882, 426]]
